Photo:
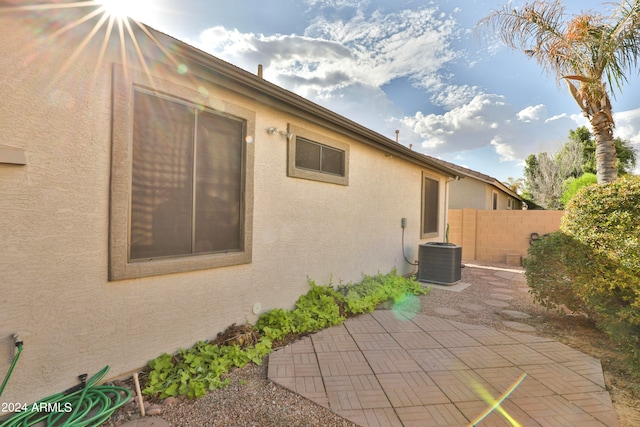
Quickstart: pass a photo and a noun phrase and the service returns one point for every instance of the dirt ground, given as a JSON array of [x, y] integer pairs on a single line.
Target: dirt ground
[[576, 331]]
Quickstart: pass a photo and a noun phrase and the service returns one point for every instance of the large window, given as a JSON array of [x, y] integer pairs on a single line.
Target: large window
[[316, 157], [186, 195], [181, 181], [430, 206]]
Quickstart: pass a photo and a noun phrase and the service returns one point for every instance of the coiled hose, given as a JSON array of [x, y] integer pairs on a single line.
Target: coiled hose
[[90, 406]]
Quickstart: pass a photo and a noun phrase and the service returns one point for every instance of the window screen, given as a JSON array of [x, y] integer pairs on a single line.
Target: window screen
[[187, 184], [430, 206], [317, 157]]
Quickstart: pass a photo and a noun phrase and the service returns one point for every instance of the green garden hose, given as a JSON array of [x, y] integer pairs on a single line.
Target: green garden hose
[[89, 406], [13, 365]]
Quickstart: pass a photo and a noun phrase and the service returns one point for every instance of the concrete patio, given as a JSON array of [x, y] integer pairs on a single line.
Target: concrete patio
[[401, 369]]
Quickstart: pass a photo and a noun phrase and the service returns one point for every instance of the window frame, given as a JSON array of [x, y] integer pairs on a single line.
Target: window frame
[[494, 200], [294, 171], [125, 80], [426, 234]]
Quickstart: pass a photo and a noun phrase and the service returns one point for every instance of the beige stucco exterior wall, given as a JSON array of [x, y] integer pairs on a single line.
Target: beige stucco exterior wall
[[54, 223], [468, 193], [491, 236], [475, 194]]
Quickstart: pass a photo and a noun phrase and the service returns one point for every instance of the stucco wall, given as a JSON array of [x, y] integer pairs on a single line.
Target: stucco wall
[[475, 194], [55, 222], [468, 193], [499, 236]]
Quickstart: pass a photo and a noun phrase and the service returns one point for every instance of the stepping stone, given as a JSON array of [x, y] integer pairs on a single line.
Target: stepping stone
[[496, 303], [498, 283], [471, 306], [516, 314], [503, 290], [446, 311], [521, 327], [501, 296]]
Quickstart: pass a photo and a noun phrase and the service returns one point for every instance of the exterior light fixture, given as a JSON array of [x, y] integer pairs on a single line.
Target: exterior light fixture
[[273, 131]]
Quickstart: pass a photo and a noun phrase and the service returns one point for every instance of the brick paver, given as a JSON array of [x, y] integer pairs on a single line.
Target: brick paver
[[387, 369]]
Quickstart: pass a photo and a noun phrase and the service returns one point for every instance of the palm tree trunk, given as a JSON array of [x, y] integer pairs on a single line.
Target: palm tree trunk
[[606, 170], [605, 148]]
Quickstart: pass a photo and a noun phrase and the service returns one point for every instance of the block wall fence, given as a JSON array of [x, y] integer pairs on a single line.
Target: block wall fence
[[500, 236]]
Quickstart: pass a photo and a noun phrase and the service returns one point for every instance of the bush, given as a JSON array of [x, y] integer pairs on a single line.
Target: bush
[[593, 264], [550, 274], [325, 306], [575, 185], [192, 372]]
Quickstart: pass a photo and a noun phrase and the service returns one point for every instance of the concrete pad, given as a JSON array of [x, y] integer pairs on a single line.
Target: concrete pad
[[433, 371]]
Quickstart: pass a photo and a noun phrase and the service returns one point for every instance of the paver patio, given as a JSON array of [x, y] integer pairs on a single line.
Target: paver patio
[[393, 369]]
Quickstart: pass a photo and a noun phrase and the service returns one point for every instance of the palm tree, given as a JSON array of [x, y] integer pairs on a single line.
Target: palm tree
[[583, 51], [514, 184]]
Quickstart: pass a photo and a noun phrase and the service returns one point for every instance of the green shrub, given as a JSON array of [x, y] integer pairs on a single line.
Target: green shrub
[[365, 296], [193, 371], [575, 185], [593, 264], [549, 273]]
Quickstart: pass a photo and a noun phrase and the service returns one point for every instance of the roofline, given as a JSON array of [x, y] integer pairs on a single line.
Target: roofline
[[482, 177], [247, 83]]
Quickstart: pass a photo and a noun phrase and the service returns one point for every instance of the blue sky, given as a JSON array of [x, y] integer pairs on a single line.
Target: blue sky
[[412, 65]]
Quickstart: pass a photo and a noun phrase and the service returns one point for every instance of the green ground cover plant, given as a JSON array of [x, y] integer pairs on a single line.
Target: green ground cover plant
[[192, 372], [592, 265]]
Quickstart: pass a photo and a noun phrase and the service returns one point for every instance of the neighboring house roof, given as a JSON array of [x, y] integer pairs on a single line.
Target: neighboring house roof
[[462, 172], [247, 83]]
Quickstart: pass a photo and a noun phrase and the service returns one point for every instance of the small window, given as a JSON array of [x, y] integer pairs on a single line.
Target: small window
[[509, 204], [316, 157], [494, 201], [430, 206]]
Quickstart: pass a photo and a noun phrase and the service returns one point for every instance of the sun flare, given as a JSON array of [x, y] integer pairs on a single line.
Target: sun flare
[[136, 9]]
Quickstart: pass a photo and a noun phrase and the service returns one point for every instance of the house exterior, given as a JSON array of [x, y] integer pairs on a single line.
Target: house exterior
[[151, 195], [479, 191]]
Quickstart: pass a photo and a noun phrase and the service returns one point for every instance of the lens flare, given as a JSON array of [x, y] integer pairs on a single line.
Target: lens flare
[[136, 9], [406, 307]]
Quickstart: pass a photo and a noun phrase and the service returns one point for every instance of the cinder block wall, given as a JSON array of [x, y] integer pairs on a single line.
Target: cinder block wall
[[500, 236]]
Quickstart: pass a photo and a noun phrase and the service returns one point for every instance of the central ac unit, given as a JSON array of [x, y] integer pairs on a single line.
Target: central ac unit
[[439, 263]]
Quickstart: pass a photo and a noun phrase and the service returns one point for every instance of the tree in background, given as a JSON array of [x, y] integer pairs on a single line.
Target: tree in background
[[625, 153], [551, 180], [583, 51], [544, 179], [516, 185]]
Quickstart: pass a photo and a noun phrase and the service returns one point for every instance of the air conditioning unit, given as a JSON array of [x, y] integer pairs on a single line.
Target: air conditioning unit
[[439, 263]]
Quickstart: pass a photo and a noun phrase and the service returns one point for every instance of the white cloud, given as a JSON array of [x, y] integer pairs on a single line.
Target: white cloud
[[628, 126], [452, 96], [337, 4], [342, 64], [489, 120], [532, 114], [363, 50]]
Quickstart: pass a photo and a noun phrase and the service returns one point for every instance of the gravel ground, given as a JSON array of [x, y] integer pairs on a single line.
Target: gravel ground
[[252, 400]]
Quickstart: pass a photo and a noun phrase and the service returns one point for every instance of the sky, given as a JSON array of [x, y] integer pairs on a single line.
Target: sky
[[416, 66]]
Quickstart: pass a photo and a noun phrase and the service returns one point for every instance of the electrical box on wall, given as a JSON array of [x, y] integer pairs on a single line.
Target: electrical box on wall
[[403, 223]]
